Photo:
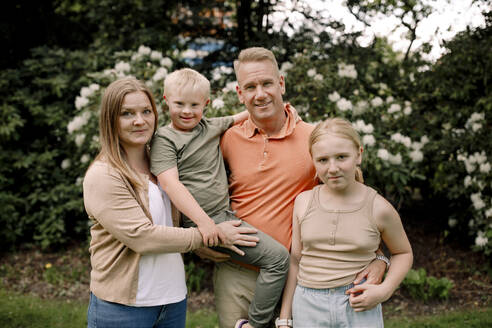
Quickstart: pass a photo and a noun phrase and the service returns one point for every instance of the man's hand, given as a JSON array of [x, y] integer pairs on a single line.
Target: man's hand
[[206, 253], [373, 273], [210, 233]]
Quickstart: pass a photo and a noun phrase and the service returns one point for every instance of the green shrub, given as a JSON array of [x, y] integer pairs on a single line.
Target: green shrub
[[423, 287]]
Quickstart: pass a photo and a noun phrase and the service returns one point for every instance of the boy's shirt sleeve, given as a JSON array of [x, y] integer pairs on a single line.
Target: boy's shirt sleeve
[[163, 152], [221, 123]]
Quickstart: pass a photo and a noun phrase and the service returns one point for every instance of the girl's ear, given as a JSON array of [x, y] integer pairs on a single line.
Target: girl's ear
[[207, 102], [359, 160]]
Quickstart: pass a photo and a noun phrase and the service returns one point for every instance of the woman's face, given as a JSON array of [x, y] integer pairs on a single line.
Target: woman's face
[[336, 159], [136, 120]]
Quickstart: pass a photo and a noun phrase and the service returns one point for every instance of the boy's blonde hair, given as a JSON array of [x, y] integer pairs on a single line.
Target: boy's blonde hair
[[341, 128], [186, 78], [255, 54]]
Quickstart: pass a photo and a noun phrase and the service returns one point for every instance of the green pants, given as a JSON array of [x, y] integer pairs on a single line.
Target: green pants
[[272, 258]]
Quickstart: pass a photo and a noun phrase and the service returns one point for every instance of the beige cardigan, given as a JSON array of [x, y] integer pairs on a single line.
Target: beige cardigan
[[122, 232]]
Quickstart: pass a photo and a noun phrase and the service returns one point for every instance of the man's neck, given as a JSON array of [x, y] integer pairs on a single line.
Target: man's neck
[[271, 126]]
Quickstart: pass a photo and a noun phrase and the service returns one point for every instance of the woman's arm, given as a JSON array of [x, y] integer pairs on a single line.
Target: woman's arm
[[300, 206], [395, 238]]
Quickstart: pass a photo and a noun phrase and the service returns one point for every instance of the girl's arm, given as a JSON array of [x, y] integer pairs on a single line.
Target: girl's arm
[[300, 206], [395, 238]]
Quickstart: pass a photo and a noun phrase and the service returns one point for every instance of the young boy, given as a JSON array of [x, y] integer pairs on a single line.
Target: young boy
[[186, 158]]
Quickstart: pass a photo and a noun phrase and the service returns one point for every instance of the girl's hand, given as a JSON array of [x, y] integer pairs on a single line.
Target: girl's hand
[[366, 296]]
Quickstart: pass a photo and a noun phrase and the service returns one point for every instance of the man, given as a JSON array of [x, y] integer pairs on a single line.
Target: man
[[269, 163]]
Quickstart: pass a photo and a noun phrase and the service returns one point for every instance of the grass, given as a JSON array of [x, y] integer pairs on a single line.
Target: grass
[[24, 311]]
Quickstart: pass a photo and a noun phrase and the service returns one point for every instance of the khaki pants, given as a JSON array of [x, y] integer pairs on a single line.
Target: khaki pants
[[234, 288]]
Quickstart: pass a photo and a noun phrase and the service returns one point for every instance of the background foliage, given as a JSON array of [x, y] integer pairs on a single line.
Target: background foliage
[[425, 126]]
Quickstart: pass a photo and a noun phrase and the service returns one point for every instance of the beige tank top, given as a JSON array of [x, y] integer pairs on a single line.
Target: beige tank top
[[336, 244]]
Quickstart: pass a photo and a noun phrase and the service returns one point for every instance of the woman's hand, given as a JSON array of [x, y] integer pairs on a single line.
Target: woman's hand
[[236, 235]]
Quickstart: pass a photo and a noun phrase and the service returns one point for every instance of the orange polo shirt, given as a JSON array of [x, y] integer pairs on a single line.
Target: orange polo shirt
[[268, 172]]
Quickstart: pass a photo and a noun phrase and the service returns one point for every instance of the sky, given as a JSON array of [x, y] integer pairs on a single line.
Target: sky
[[448, 18]]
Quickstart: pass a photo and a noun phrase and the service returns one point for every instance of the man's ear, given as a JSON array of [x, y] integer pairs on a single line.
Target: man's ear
[[207, 102], [239, 94]]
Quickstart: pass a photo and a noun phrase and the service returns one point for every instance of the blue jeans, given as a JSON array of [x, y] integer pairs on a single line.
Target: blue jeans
[[103, 314], [331, 308]]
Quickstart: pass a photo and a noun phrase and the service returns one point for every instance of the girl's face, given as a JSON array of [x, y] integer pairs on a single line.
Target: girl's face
[[336, 159]]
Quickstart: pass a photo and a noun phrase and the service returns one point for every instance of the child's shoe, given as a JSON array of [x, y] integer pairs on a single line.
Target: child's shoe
[[240, 323]]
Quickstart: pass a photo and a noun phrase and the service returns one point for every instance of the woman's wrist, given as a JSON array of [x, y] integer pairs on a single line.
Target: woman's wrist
[[283, 322]]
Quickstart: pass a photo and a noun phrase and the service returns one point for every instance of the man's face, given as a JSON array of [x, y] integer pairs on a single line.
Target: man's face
[[260, 89]]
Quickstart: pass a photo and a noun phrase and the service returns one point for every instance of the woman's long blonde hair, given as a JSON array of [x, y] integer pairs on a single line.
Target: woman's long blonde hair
[[339, 127], [112, 150]]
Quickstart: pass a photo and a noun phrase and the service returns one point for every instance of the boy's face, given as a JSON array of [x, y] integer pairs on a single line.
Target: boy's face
[[186, 108]]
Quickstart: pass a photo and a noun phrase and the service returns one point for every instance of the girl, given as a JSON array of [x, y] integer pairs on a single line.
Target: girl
[[336, 229], [137, 276]]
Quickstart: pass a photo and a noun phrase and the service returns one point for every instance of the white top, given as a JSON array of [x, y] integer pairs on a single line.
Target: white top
[[161, 277]]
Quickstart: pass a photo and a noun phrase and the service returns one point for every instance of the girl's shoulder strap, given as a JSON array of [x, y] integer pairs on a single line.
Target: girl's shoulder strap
[[313, 195]]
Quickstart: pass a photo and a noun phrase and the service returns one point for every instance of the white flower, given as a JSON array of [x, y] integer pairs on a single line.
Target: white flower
[[416, 156], [189, 53], [347, 71], [344, 104], [218, 103], [156, 55], [360, 107], [85, 158], [383, 154], [468, 181], [488, 213], [160, 74], [318, 77], [81, 102], [424, 140], [395, 159], [311, 72], [79, 181], [452, 222], [334, 96], [166, 62], [94, 87], [376, 102], [86, 92], [285, 67], [368, 140], [78, 122], [394, 108], [143, 50], [230, 86], [481, 240], [477, 201], [389, 99], [79, 139], [485, 167], [65, 164], [476, 126], [407, 110], [121, 67]]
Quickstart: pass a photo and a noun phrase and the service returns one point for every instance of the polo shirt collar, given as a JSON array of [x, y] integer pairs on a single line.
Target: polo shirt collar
[[292, 118]]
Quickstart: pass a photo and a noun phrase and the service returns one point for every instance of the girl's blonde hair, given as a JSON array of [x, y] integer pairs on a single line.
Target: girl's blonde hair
[[112, 150], [341, 128]]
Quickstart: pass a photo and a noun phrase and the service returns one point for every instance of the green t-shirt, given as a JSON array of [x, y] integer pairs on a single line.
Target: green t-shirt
[[199, 160]]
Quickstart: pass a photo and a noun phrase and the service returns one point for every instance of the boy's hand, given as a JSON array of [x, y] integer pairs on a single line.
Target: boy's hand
[[210, 233]]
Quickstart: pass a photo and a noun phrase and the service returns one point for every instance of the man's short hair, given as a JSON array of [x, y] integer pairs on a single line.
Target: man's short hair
[[255, 54], [186, 78]]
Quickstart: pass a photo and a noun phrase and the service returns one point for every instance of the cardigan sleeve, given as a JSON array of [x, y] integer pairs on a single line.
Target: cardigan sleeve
[[109, 202]]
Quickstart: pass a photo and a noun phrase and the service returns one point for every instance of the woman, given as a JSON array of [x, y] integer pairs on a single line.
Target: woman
[[137, 276], [336, 230]]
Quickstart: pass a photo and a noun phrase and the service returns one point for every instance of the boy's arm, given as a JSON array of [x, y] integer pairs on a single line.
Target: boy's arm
[[240, 117], [186, 203]]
